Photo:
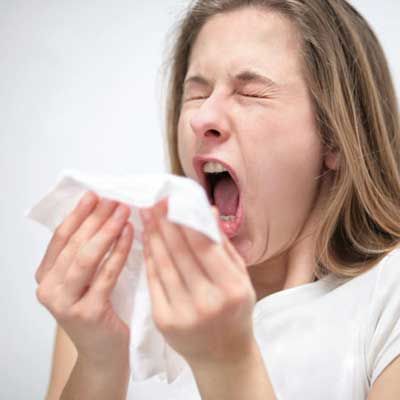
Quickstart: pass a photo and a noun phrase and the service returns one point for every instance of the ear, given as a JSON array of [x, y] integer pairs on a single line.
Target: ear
[[331, 159]]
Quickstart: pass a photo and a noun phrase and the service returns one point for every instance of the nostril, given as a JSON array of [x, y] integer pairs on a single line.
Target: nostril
[[212, 132]]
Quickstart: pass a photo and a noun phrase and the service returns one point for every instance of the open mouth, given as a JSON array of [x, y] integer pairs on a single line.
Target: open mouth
[[223, 191]]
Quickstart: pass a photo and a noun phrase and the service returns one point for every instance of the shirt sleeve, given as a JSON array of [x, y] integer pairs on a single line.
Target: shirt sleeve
[[383, 345]]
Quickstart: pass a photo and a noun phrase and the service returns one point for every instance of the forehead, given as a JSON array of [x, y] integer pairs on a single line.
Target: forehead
[[244, 38]]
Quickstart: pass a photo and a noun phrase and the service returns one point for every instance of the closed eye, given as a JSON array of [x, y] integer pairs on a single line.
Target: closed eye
[[194, 98], [240, 94], [253, 95]]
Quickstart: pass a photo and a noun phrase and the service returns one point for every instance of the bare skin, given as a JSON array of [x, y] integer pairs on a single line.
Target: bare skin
[[273, 145], [75, 280], [266, 132]]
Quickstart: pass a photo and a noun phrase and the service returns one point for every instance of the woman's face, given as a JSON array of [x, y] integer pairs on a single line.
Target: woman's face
[[263, 128]]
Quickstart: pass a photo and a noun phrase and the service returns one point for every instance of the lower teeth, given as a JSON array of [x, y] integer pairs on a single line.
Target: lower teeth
[[227, 217]]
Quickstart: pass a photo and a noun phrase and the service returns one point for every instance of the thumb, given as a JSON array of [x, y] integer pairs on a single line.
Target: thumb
[[217, 215], [215, 212]]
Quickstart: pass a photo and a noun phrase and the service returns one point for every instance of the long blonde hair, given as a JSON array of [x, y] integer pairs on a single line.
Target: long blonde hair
[[356, 112]]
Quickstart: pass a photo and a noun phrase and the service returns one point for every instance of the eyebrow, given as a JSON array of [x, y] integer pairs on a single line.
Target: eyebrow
[[245, 76]]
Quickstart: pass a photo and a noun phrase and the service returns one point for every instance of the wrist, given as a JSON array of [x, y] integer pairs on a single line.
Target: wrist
[[111, 368], [245, 378], [96, 381], [240, 354]]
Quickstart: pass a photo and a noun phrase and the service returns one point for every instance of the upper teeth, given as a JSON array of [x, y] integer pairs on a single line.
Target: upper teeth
[[213, 167]]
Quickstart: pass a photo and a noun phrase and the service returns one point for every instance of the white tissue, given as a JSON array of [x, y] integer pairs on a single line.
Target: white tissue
[[150, 355]]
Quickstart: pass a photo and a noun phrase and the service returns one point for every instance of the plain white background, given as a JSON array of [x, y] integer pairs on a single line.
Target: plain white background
[[81, 87]]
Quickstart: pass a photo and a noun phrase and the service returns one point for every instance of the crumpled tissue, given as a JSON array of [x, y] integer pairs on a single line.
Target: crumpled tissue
[[150, 355]]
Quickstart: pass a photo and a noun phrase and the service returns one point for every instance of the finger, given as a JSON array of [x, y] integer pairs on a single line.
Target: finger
[[202, 288], [159, 301], [192, 273], [174, 287], [104, 282], [234, 255], [229, 248], [64, 231], [89, 257], [88, 228], [214, 259]]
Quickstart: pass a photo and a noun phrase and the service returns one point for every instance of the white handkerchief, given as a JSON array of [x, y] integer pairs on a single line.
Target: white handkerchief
[[188, 204]]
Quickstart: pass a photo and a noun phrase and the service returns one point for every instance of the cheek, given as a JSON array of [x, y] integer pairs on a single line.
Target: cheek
[[284, 154], [288, 151], [281, 135], [186, 148]]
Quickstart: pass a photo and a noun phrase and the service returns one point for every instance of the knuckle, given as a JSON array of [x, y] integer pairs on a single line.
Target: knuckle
[[59, 311], [74, 275], [64, 257], [210, 307], [118, 253], [75, 242], [204, 293], [42, 295], [111, 228], [188, 322], [61, 234], [56, 308], [83, 314], [164, 323], [236, 296], [38, 275], [209, 312], [86, 257], [108, 275]]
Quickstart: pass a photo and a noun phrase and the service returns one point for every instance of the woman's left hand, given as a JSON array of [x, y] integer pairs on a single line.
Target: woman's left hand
[[201, 294]]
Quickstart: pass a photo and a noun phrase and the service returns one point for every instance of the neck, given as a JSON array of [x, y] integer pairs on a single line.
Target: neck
[[287, 269]]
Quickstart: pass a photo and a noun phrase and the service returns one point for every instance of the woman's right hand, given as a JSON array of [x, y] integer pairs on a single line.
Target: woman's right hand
[[76, 279]]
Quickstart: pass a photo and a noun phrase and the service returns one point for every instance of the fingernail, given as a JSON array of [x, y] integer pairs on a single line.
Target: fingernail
[[215, 211], [88, 198]]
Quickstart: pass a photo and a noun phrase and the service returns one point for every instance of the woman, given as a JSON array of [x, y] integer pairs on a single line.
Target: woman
[[295, 100]]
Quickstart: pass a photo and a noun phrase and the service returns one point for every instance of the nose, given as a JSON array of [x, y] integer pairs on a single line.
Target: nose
[[210, 121]]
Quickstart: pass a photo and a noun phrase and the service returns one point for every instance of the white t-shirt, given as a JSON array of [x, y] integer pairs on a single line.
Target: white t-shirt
[[328, 339]]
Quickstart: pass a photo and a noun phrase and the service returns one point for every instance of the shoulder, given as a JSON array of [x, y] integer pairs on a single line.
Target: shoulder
[[383, 324], [389, 273], [386, 290]]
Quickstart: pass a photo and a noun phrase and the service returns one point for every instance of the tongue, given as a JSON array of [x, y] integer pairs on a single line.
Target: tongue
[[226, 196]]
